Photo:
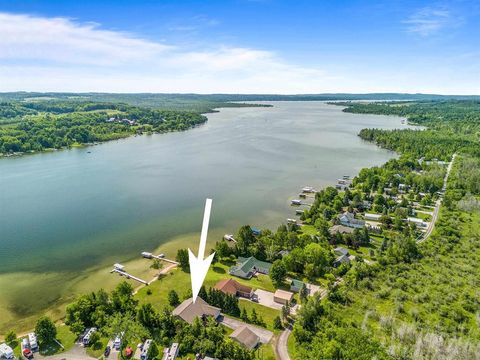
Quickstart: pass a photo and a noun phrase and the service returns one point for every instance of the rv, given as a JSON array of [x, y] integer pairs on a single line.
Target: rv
[[6, 352], [145, 349], [173, 352], [88, 334], [32, 339], [117, 342]]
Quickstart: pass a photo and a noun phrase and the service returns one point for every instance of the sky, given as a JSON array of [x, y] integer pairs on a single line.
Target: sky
[[240, 46]]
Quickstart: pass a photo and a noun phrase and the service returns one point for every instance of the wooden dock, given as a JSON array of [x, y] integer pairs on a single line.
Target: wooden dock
[[148, 255], [128, 276]]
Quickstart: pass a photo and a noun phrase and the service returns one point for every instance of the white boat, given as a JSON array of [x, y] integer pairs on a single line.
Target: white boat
[[228, 237], [291, 221], [119, 267], [308, 189], [147, 255], [296, 202]]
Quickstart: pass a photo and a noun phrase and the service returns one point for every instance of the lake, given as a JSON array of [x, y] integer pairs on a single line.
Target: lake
[[66, 216]]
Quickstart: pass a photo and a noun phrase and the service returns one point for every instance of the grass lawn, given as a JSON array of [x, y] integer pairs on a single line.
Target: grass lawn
[[423, 216], [309, 230], [265, 352], [96, 350], [65, 337], [180, 282], [266, 313], [176, 279], [219, 271], [291, 347]]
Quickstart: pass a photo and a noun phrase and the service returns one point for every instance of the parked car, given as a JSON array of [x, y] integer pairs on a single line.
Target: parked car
[[27, 353], [107, 351], [128, 352]]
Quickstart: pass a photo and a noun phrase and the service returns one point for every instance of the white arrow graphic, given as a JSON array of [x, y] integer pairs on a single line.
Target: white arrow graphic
[[198, 265]]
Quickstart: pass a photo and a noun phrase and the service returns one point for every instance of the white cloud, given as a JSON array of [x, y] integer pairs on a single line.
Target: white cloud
[[428, 21], [59, 54], [61, 40]]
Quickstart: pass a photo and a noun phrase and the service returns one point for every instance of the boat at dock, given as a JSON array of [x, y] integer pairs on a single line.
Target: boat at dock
[[308, 189], [296, 202], [229, 237], [291, 221]]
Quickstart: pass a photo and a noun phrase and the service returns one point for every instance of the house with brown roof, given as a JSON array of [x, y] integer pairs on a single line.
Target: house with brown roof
[[246, 337], [233, 287], [283, 297], [189, 310]]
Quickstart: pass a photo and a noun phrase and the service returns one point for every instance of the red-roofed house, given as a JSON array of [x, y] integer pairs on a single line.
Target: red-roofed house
[[233, 287]]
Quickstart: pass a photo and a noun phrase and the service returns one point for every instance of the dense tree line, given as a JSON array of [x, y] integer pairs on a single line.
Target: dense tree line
[[454, 124], [118, 312], [419, 300], [56, 125]]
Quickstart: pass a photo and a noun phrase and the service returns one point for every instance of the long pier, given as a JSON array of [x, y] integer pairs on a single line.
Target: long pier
[[148, 255], [128, 276]]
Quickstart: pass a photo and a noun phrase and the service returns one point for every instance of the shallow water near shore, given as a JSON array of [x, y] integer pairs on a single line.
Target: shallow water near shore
[[66, 216]]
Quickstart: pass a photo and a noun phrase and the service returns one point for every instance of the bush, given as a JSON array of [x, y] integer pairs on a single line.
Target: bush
[[277, 323], [11, 338], [173, 298]]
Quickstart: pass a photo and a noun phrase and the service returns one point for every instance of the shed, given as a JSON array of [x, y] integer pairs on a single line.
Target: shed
[[283, 297], [296, 285]]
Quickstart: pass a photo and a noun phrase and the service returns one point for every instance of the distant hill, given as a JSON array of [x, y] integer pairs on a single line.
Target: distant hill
[[199, 102]]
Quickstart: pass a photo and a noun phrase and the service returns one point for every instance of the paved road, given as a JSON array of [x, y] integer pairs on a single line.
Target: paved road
[[264, 335], [436, 210]]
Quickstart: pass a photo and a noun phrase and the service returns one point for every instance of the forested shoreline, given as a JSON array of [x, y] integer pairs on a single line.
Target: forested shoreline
[[38, 126], [424, 306], [397, 298]]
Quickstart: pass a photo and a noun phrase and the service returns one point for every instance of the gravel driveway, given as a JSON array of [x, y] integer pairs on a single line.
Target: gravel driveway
[[265, 298]]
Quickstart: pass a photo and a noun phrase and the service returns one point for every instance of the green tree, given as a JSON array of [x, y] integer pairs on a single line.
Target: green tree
[[303, 293], [45, 330], [277, 323], [94, 339], [182, 258], [153, 351], [122, 298], [278, 272], [11, 338], [125, 323], [148, 317], [173, 298]]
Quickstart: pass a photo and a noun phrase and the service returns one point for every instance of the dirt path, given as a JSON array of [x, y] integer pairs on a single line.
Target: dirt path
[[436, 210]]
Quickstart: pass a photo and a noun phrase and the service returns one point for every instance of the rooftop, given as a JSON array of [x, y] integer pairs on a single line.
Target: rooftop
[[285, 295], [189, 310], [246, 337], [231, 286]]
